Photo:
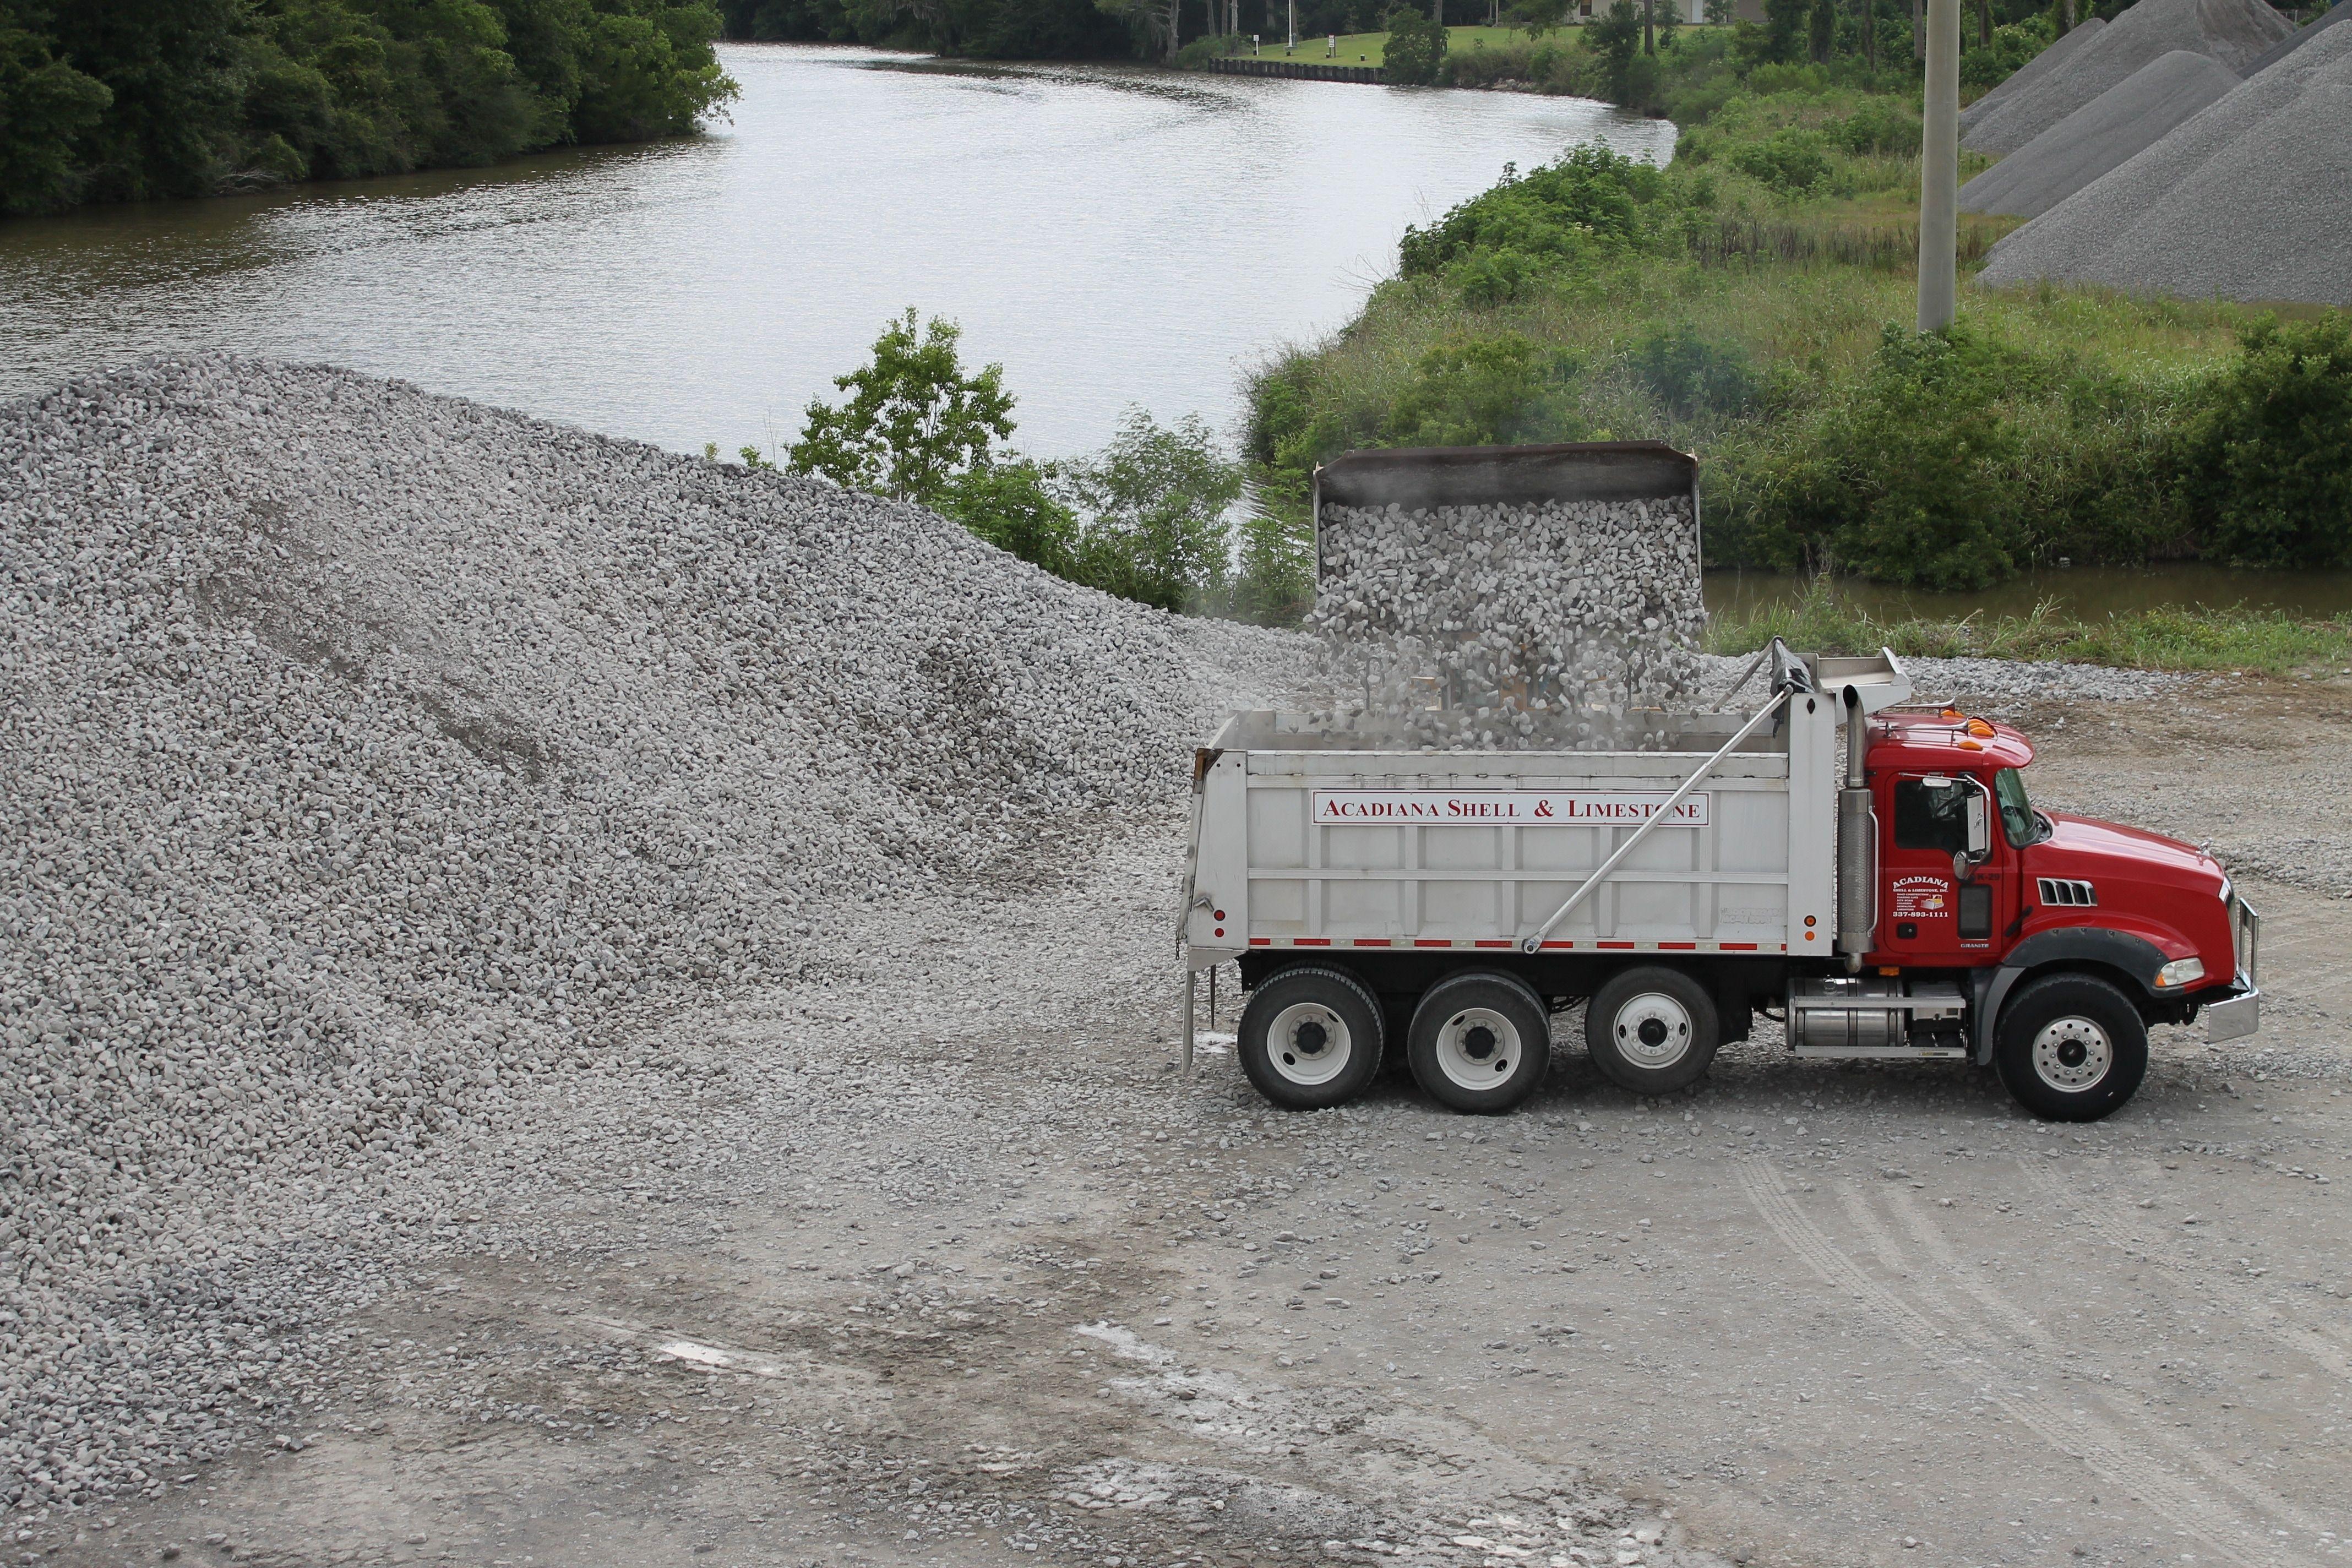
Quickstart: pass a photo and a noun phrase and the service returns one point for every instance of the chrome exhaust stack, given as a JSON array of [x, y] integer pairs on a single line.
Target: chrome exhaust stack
[[1858, 843]]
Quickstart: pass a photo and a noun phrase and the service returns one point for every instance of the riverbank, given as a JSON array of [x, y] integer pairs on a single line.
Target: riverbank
[[1751, 302]]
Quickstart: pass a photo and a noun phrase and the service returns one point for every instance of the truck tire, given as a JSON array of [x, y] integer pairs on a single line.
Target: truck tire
[[1480, 1042], [2070, 1047], [1653, 1029], [1310, 1037]]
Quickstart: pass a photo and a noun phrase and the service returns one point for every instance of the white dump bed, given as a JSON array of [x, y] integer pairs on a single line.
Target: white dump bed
[[1309, 838]]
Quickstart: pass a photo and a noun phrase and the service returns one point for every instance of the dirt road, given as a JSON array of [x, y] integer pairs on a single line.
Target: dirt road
[[942, 1263]]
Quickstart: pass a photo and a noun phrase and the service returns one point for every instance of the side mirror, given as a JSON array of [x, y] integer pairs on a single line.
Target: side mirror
[[1979, 824]]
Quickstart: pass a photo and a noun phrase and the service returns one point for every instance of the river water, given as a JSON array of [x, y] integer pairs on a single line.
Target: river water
[[1112, 235]]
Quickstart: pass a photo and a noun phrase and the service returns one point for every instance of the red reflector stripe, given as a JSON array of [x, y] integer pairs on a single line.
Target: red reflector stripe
[[1371, 942], [1677, 947], [1621, 945], [1310, 942], [1432, 941], [1737, 946], [1261, 941], [1482, 942], [1559, 944]]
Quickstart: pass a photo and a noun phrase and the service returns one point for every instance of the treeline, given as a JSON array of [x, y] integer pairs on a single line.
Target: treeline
[[129, 100], [1056, 29]]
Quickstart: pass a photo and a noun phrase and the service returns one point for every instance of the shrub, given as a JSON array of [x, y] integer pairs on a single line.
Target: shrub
[[2272, 455], [1013, 506], [1692, 377], [1790, 161], [1591, 199], [1156, 501], [1486, 392], [1884, 126], [1416, 47]]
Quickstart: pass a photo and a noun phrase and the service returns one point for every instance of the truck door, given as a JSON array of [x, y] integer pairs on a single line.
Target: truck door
[[1929, 913]]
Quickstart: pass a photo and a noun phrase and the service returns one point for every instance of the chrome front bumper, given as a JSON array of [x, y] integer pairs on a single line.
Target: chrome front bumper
[[2237, 1017]]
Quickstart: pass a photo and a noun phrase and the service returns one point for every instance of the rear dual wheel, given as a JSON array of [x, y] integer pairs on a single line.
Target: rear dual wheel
[[1651, 1029], [1310, 1039], [1480, 1043]]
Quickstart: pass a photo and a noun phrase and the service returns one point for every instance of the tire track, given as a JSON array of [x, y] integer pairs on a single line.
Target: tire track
[[2178, 1501], [2110, 1223], [1939, 1247]]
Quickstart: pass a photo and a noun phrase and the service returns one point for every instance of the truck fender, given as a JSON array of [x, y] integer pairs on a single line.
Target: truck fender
[[2070, 947]]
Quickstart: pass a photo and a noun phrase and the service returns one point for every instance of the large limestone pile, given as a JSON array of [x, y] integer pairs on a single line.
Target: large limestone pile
[[2032, 71], [2233, 32], [1563, 623], [2105, 133], [362, 749], [2249, 199]]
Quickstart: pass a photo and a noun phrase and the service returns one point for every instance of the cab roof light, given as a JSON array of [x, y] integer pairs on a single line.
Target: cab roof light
[[1980, 729]]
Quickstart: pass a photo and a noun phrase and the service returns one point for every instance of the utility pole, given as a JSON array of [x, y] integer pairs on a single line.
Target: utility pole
[[1939, 169], [1294, 28]]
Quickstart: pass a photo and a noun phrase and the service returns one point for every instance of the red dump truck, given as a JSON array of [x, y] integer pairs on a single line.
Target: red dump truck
[[1869, 872]]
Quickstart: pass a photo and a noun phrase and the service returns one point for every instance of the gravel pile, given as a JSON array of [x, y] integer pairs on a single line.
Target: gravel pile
[[363, 751], [2105, 133], [2032, 71], [2249, 199], [1560, 625], [2234, 32], [2300, 36]]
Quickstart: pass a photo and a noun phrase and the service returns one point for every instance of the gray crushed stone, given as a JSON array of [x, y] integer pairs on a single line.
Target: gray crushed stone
[[1994, 687], [2234, 32], [363, 752], [1557, 626], [2249, 199], [2105, 133], [2032, 71], [2300, 36]]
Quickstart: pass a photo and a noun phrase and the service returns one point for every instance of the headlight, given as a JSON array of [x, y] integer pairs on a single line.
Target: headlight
[[2179, 972]]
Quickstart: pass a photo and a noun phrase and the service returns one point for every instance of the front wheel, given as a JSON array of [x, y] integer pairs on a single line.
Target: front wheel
[[1310, 1037], [1653, 1030], [2071, 1048]]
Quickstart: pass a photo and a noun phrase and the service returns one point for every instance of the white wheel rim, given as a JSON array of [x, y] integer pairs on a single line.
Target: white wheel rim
[[1309, 1044], [2072, 1054], [1652, 1030], [1478, 1048]]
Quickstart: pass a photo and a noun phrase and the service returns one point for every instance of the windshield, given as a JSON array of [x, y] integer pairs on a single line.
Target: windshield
[[2018, 818]]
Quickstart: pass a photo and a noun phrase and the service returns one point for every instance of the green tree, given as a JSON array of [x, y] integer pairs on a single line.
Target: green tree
[[914, 422], [1538, 16], [1012, 505], [1785, 26], [46, 106], [1416, 47], [1156, 501], [2272, 453]]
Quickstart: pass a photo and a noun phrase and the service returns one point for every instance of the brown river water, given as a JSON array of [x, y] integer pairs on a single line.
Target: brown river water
[[1113, 235]]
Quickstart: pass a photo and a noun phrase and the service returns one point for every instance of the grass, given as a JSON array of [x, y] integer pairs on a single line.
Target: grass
[[2176, 638], [1371, 48]]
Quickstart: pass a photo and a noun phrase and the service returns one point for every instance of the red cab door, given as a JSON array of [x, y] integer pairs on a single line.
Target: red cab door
[[1939, 907]]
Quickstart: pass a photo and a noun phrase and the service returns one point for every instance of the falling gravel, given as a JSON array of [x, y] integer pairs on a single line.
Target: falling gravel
[[2249, 199], [2234, 32], [1565, 623], [363, 751], [2107, 131], [2032, 71]]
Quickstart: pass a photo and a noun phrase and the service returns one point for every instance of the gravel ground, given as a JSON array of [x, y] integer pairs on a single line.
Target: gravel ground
[[900, 1241]]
